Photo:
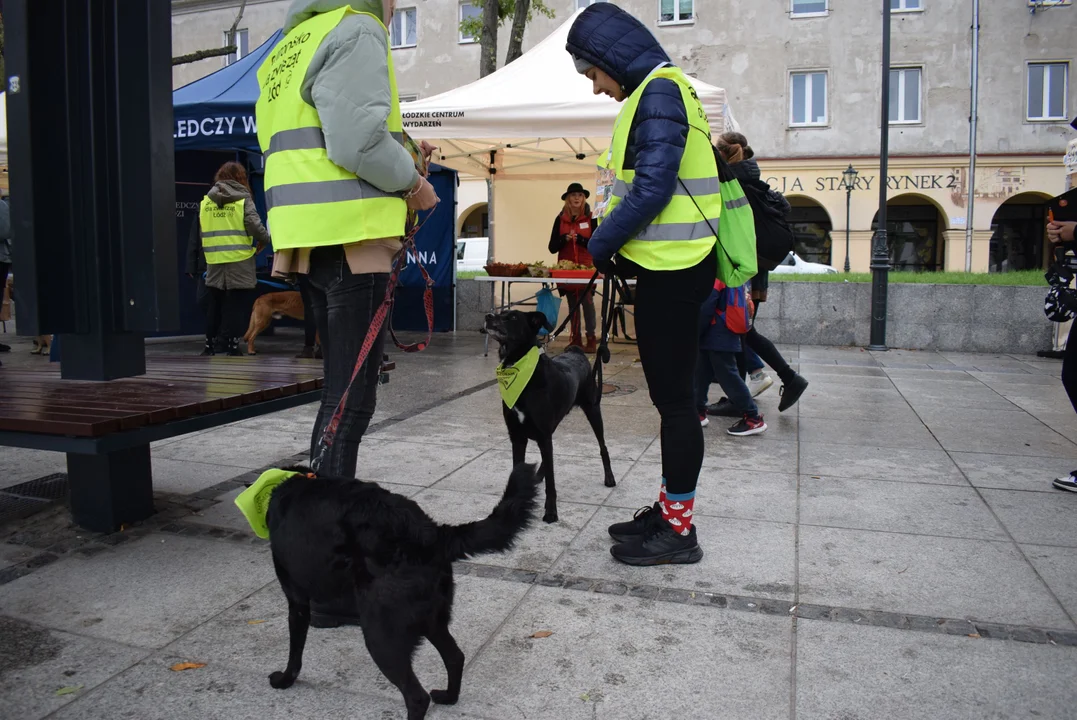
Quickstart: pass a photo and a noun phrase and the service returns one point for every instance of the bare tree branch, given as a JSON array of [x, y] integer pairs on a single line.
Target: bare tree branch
[[230, 38]]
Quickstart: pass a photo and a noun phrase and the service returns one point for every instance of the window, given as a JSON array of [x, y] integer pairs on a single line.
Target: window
[[809, 8], [581, 4], [408, 98], [913, 234], [1047, 91], [673, 12], [468, 11], [402, 30], [906, 5], [809, 99], [905, 95], [242, 45]]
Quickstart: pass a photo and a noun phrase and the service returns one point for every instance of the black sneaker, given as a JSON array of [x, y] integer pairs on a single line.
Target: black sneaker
[[233, 349], [722, 408], [791, 392], [659, 545], [208, 349], [1067, 483], [748, 426], [5, 348], [625, 531]]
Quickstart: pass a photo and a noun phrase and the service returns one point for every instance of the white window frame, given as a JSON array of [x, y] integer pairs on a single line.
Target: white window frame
[[1045, 106], [581, 4], [677, 12], [402, 14], [898, 95], [794, 14], [807, 96], [903, 7], [460, 18], [1048, 3], [239, 54]]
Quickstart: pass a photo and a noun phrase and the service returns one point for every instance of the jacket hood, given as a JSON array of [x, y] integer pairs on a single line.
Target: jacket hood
[[617, 43], [750, 167], [302, 10], [227, 191]]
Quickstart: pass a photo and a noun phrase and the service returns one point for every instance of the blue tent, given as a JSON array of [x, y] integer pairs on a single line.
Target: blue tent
[[217, 111]]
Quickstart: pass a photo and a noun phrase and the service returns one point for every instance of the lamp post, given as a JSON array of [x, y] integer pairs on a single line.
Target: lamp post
[[850, 180], [880, 253]]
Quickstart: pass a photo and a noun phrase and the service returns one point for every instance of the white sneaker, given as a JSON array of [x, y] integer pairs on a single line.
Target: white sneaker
[[759, 382], [1067, 483]]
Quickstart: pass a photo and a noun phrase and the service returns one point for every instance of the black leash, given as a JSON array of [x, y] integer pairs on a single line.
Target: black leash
[[579, 303]]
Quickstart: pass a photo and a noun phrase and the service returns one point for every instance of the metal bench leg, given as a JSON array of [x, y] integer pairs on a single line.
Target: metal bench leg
[[111, 489]]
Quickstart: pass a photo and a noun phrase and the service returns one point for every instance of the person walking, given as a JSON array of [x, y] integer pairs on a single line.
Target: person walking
[[568, 240], [1063, 232], [664, 201], [231, 233], [5, 252], [738, 153]]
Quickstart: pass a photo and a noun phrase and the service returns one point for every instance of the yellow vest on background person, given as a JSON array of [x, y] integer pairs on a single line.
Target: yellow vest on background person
[[224, 236], [311, 200], [680, 236]]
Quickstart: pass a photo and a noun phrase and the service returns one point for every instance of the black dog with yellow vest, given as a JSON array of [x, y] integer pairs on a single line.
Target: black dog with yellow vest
[[538, 392]]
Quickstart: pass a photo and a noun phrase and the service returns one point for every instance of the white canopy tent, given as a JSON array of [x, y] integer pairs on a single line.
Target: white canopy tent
[[535, 120]]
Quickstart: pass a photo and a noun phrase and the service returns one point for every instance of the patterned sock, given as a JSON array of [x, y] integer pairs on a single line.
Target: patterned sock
[[678, 511]]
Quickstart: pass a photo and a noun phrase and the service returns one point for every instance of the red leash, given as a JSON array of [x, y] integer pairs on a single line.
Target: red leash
[[384, 310]]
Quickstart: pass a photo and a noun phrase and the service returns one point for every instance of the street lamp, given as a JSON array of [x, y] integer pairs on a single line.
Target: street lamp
[[850, 180], [880, 252]]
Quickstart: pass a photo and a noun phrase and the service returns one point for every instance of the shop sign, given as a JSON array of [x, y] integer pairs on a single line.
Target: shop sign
[[836, 183]]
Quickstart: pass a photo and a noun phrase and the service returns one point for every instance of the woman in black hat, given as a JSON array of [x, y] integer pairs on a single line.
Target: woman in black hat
[[569, 237]]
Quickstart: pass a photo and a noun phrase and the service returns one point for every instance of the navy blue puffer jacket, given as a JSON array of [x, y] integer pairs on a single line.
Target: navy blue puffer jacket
[[617, 43]]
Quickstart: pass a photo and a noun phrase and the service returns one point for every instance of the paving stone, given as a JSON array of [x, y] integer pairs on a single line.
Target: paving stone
[[880, 463], [1037, 518]]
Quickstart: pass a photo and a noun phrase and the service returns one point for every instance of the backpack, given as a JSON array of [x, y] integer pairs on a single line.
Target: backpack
[[735, 306], [773, 236]]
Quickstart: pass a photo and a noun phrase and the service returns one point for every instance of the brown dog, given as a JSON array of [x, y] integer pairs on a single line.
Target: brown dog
[[269, 307]]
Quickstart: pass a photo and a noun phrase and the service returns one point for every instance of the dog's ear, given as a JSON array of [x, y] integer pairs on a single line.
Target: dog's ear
[[539, 321]]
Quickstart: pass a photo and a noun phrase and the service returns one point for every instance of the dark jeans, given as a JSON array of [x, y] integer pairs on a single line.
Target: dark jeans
[[721, 367], [310, 325], [1069, 366], [667, 328], [227, 312], [343, 305]]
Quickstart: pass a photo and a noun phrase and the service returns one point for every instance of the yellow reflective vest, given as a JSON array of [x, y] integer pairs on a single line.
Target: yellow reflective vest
[[311, 200], [682, 234], [224, 236]]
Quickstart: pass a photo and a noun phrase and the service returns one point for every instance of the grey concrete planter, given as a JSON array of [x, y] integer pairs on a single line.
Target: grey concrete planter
[[966, 318]]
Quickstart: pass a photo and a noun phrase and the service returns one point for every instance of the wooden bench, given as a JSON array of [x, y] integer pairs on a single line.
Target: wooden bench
[[106, 427]]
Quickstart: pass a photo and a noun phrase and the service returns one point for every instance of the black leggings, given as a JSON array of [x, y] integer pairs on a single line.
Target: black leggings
[[1069, 366], [667, 328], [227, 311]]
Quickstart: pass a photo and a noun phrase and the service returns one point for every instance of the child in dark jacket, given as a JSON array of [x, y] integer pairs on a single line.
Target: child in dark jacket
[[723, 320]]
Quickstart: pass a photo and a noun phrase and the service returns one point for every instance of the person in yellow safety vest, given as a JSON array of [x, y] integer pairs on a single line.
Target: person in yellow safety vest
[[339, 184], [659, 182], [231, 234]]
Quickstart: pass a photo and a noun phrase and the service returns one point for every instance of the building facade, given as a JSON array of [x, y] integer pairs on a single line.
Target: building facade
[[804, 79]]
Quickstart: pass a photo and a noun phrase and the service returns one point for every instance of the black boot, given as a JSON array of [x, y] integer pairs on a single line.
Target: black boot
[[208, 349], [233, 348], [306, 353]]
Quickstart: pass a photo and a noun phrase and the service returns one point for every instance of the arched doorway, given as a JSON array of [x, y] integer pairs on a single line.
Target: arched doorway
[[1019, 235], [914, 226], [811, 229], [475, 222]]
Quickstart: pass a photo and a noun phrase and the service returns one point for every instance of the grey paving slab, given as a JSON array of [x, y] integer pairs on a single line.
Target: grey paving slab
[[578, 479], [848, 671], [632, 645], [727, 493], [186, 477], [223, 514], [11, 554], [947, 510], [1013, 472], [469, 432], [1039, 518], [1055, 565], [1006, 436], [832, 372], [36, 662], [742, 557], [150, 691], [1015, 379], [922, 575], [21, 465], [537, 547], [972, 395], [410, 462], [237, 447], [850, 408], [881, 463], [338, 659], [145, 592], [848, 431]]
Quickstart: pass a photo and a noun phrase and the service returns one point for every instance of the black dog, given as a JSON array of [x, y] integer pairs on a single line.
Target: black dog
[[335, 540], [557, 386]]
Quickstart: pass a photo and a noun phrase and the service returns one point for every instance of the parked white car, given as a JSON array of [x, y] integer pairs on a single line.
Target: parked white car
[[794, 264], [471, 253]]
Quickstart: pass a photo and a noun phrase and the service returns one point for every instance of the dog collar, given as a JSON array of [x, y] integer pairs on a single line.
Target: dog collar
[[254, 501], [512, 380]]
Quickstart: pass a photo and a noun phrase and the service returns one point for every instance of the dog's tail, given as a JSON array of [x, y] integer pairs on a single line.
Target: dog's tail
[[497, 532]]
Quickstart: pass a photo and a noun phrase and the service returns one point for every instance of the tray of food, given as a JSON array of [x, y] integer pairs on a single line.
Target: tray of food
[[567, 269], [506, 270]]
